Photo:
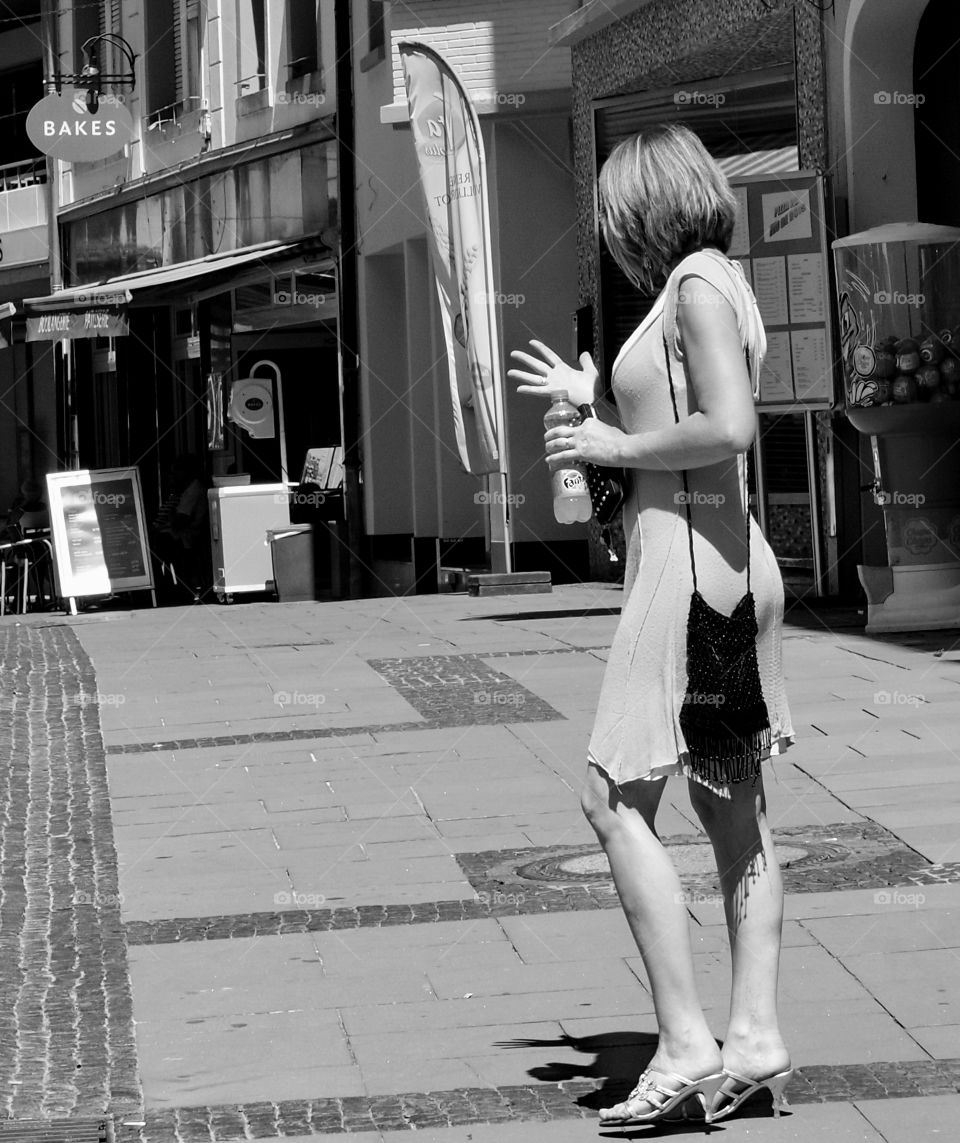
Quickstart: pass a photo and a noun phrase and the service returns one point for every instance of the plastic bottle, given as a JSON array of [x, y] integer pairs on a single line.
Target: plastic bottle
[[571, 497]]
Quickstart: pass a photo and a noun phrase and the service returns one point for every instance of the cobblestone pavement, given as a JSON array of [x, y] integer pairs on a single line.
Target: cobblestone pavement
[[526, 1104], [67, 1046], [466, 963]]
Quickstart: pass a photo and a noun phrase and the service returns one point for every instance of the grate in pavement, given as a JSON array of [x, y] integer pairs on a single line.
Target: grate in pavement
[[814, 859], [571, 1099]]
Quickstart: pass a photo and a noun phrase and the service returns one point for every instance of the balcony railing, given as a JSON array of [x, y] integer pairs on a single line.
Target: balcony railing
[[26, 173]]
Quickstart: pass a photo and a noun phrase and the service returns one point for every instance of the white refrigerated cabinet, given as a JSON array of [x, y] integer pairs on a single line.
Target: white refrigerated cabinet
[[239, 519]]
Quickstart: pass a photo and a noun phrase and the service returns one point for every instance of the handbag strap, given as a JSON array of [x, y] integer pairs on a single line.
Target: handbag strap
[[686, 489]]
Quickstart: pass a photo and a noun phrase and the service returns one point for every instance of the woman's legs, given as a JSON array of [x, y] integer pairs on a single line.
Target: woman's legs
[[652, 899], [753, 903]]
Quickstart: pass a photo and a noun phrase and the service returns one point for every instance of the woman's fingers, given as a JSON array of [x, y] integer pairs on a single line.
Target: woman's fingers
[[527, 359], [547, 352], [530, 378]]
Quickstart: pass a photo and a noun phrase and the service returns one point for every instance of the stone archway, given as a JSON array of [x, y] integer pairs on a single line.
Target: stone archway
[[879, 37]]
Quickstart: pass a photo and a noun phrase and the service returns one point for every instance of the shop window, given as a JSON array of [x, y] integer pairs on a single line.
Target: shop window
[[301, 38], [251, 46]]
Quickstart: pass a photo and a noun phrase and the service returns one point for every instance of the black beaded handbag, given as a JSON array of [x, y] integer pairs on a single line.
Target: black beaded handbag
[[606, 485], [724, 718]]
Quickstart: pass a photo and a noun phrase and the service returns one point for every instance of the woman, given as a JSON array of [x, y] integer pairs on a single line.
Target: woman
[[667, 215]]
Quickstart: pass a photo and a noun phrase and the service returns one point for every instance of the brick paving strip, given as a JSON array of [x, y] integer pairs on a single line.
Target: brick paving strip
[[573, 1099], [432, 685], [67, 1042]]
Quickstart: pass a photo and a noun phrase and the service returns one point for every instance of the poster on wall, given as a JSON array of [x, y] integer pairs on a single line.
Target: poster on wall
[[99, 533], [781, 240]]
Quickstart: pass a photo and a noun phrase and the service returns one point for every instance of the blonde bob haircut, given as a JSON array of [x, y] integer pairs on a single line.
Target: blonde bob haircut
[[662, 197]]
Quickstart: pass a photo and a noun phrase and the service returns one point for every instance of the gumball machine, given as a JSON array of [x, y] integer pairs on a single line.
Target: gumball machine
[[898, 293]]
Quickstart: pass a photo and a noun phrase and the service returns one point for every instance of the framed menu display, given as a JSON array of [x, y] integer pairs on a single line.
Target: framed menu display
[[99, 533], [782, 242]]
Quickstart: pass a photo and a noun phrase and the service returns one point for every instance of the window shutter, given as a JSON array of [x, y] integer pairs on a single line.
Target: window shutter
[[114, 16], [179, 16]]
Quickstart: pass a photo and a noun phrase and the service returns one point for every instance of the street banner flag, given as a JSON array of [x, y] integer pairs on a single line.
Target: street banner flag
[[446, 133]]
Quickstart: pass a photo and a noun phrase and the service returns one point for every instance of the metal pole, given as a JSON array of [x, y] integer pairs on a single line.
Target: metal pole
[[348, 300]]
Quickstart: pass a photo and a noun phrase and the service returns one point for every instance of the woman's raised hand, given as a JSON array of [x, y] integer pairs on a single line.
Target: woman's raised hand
[[543, 376]]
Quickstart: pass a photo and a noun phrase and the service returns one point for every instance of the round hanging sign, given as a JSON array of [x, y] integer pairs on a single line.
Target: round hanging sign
[[62, 126]]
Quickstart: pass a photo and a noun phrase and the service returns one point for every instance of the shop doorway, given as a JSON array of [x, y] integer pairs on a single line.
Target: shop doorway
[[310, 380]]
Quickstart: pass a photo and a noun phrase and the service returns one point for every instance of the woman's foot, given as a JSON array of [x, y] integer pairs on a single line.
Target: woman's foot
[[666, 1071], [752, 1065], [755, 1057]]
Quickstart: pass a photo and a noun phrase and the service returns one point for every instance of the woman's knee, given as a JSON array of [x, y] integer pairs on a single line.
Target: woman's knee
[[595, 800]]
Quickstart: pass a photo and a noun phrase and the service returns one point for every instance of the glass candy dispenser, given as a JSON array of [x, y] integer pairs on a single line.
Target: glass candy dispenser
[[898, 299]]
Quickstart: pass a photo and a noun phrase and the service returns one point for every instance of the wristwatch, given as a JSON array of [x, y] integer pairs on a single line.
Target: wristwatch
[[586, 411]]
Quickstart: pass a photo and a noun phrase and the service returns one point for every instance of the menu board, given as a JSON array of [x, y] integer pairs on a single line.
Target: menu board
[[98, 531], [781, 240]]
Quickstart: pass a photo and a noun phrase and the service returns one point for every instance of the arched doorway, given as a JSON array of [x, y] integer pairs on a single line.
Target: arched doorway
[[878, 81], [936, 66]]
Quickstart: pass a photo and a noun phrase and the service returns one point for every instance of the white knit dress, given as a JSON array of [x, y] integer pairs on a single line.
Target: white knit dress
[[637, 731]]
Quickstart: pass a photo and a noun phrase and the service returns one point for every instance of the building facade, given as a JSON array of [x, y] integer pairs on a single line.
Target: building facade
[[423, 512], [852, 92], [211, 239]]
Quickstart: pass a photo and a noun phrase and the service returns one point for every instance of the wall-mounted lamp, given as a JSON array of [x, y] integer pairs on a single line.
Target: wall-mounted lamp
[[92, 78]]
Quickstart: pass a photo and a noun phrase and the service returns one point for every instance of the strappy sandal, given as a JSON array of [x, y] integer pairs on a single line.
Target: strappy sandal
[[663, 1094], [735, 1089]]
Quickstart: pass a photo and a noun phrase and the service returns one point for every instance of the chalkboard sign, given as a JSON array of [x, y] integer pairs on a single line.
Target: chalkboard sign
[[99, 533]]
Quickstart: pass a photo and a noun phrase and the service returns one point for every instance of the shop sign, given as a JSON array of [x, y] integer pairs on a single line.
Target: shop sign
[[61, 126], [83, 323]]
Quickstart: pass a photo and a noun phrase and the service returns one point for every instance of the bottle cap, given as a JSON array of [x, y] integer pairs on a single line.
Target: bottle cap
[[560, 395]]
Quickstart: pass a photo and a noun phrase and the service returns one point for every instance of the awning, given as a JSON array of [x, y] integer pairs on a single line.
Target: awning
[[99, 308]]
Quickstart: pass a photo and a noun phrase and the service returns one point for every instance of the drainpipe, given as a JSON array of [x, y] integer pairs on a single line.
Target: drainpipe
[[348, 300]]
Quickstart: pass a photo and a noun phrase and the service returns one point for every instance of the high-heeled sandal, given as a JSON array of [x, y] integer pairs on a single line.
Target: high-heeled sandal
[[734, 1089], [662, 1098]]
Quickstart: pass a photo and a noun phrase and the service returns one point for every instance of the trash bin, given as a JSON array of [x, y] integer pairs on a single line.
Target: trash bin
[[291, 549]]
